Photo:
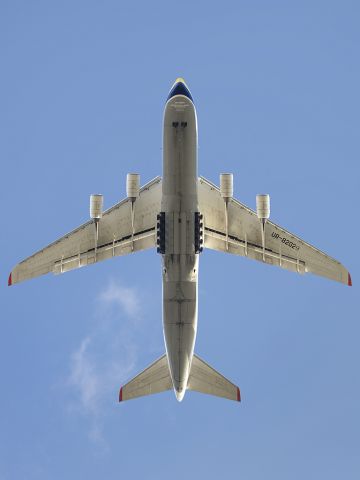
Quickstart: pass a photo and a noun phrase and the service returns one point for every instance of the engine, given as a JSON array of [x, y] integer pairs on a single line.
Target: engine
[[263, 206], [133, 185], [96, 205], [226, 186]]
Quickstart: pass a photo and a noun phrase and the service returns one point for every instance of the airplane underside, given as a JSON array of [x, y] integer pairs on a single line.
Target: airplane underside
[[180, 259], [180, 214]]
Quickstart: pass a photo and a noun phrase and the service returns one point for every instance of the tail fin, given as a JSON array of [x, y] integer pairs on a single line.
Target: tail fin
[[205, 379], [154, 379]]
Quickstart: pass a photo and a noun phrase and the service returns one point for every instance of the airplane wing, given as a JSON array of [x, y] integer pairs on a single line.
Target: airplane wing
[[118, 234], [244, 237]]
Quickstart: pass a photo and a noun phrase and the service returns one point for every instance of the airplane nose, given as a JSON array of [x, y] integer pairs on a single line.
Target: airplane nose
[[180, 88]]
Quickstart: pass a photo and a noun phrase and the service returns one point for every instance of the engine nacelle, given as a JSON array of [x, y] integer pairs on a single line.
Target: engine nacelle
[[226, 185], [263, 206], [96, 205], [133, 185]]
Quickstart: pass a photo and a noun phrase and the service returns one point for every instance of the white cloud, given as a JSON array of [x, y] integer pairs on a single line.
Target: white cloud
[[84, 377], [125, 297], [106, 357]]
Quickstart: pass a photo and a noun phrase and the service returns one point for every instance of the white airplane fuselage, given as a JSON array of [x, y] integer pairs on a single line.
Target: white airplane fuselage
[[174, 200], [180, 262]]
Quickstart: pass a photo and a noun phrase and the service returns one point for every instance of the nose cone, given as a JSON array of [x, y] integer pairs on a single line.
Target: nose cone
[[180, 88]]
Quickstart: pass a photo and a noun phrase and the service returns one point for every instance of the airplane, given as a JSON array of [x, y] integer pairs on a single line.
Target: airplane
[[180, 214]]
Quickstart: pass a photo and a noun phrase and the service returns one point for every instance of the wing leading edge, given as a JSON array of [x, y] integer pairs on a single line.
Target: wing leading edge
[[118, 234], [244, 237]]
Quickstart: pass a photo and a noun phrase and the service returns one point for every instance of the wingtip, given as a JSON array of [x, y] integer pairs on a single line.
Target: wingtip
[[349, 280], [120, 394], [238, 395], [10, 280]]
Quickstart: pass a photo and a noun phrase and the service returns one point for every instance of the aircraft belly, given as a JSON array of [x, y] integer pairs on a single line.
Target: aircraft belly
[[180, 316], [180, 184], [180, 263]]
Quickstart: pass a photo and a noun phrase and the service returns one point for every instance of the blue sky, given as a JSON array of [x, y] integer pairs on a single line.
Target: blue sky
[[83, 86]]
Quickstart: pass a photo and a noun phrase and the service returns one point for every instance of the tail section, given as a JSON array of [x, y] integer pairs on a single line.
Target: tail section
[[205, 379], [154, 379]]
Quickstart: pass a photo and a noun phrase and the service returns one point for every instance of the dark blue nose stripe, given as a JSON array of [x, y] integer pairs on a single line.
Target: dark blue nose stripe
[[180, 89]]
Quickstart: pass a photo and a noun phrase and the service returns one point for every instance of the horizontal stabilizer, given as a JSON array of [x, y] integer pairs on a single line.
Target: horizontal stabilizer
[[154, 379], [205, 379]]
